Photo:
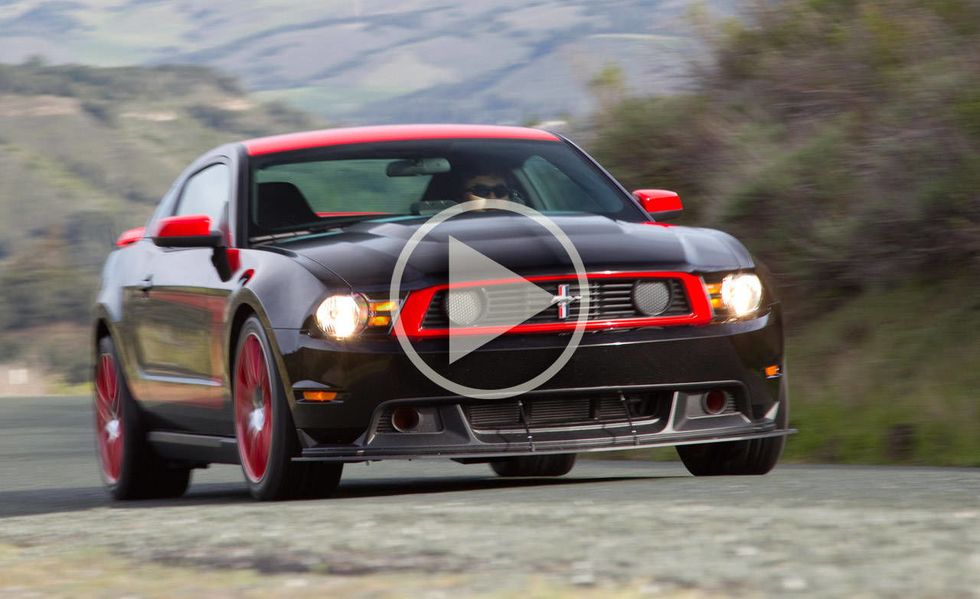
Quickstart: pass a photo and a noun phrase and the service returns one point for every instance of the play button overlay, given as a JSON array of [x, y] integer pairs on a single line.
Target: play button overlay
[[474, 319]]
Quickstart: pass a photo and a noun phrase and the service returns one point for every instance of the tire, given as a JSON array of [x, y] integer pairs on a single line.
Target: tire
[[536, 465], [738, 458], [129, 467], [267, 440]]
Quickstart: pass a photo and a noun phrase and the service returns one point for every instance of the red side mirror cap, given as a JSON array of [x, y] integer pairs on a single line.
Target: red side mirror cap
[[192, 230], [130, 236], [659, 203]]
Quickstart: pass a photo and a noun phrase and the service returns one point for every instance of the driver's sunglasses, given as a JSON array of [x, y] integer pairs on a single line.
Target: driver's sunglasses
[[487, 191]]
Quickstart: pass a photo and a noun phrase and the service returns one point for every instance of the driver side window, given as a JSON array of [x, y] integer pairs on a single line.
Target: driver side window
[[207, 192], [555, 190]]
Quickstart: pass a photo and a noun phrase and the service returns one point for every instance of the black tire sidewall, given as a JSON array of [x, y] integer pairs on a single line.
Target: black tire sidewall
[[735, 458]]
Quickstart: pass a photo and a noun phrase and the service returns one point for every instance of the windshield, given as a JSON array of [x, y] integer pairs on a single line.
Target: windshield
[[328, 187]]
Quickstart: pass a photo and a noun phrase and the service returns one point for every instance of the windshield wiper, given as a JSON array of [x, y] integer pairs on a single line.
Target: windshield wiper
[[327, 223]]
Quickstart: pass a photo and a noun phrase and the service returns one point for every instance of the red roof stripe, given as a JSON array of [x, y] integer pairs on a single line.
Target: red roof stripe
[[356, 135]]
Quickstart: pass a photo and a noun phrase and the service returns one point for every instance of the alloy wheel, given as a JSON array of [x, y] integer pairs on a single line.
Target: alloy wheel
[[253, 408], [109, 428]]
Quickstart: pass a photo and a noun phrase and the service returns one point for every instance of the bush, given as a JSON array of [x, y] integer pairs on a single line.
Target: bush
[[839, 138]]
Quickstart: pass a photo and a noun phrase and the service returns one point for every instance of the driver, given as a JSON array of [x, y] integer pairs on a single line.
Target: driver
[[486, 186]]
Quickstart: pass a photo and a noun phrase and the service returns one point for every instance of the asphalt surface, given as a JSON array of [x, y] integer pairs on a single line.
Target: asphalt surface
[[808, 530]]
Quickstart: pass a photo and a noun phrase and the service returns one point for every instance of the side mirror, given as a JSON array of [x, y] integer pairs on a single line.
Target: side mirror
[[659, 203], [194, 231], [130, 237], [190, 231]]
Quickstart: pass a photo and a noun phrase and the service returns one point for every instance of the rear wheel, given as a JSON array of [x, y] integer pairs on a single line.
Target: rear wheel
[[129, 468], [734, 458], [264, 428], [537, 465]]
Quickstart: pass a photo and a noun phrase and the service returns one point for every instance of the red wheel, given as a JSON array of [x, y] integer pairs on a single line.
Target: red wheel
[[129, 467], [109, 427], [267, 440], [253, 408]]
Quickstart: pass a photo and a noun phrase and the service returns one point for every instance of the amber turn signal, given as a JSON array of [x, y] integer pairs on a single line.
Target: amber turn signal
[[385, 306], [714, 295], [773, 371], [381, 313], [319, 395]]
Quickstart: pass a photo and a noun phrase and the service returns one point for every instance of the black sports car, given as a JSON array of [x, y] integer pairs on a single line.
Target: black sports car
[[485, 294]]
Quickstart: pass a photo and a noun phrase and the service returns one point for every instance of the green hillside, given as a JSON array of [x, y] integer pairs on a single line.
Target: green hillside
[[840, 140], [84, 154], [890, 376]]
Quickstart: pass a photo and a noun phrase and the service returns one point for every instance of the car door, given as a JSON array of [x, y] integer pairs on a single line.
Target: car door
[[180, 322]]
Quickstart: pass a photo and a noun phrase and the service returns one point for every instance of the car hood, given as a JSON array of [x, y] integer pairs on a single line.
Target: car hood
[[364, 255]]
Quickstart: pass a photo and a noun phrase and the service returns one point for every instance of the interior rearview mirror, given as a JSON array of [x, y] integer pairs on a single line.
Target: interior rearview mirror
[[417, 166]]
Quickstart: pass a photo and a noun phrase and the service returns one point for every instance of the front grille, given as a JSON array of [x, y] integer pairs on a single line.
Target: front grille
[[565, 411], [609, 300]]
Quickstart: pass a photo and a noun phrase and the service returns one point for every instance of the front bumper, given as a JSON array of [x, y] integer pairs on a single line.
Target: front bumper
[[685, 424], [667, 371]]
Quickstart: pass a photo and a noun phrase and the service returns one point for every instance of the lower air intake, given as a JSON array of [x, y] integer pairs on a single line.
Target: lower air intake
[[566, 411]]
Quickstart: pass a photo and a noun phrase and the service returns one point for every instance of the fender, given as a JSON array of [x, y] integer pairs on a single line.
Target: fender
[[263, 290], [108, 310]]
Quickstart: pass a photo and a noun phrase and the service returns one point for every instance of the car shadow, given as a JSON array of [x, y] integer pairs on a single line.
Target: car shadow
[[35, 502], [365, 488], [53, 500]]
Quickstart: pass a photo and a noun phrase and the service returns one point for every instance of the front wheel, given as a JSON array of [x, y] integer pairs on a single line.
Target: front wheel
[[264, 428], [735, 458], [535, 465]]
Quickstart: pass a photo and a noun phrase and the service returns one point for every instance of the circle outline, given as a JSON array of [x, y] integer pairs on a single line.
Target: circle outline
[[577, 333]]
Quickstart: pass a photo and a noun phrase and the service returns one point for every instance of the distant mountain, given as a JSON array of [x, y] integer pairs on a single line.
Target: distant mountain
[[380, 60]]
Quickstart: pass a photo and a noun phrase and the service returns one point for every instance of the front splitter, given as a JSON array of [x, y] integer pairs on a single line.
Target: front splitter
[[346, 453]]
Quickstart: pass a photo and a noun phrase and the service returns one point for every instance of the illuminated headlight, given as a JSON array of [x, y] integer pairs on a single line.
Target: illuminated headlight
[[342, 316], [741, 294]]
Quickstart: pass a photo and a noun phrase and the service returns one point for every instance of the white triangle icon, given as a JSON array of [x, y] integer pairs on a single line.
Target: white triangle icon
[[472, 306]]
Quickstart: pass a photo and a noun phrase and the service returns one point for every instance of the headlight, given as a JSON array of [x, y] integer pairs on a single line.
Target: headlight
[[342, 316], [741, 294]]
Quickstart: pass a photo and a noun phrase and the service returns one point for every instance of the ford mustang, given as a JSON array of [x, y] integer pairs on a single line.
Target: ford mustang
[[478, 293]]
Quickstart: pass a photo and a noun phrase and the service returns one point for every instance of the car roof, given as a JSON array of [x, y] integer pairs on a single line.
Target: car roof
[[355, 135]]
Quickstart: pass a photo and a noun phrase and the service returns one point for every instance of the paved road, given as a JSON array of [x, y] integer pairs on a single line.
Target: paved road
[[650, 527]]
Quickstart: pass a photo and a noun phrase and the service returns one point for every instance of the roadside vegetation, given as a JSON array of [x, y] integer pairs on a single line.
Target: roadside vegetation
[[840, 140]]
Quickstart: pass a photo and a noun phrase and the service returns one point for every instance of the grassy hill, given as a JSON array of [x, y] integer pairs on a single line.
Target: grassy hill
[[379, 60], [890, 376], [84, 154], [840, 140]]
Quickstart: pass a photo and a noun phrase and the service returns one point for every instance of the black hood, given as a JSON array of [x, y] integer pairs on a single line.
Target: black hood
[[365, 254]]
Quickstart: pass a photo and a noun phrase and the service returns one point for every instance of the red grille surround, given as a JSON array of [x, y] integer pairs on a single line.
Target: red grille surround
[[412, 313]]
